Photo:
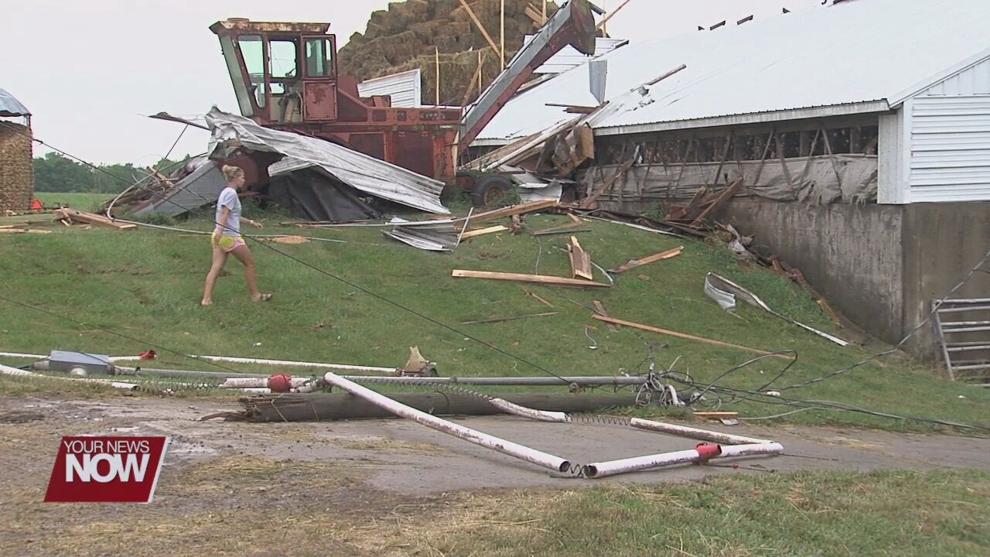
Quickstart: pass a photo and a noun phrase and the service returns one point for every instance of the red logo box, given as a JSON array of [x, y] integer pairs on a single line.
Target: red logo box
[[106, 469]]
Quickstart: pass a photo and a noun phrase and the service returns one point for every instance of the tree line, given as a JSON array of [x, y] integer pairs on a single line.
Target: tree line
[[56, 173]]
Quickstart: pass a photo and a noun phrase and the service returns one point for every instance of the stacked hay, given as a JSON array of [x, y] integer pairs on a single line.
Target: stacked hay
[[16, 172], [405, 37]]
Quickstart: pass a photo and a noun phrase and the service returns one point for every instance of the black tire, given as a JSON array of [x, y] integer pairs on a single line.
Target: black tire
[[490, 191]]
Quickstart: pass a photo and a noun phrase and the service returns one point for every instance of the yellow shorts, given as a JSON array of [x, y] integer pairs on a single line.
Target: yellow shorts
[[227, 243]]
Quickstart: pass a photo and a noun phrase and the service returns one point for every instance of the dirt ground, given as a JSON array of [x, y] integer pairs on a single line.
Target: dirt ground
[[230, 473]]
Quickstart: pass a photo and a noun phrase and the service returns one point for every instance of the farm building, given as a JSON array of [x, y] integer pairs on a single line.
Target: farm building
[[16, 173], [860, 131]]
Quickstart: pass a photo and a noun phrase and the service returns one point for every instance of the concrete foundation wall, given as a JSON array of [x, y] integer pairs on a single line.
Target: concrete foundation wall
[[941, 243], [851, 254], [882, 266]]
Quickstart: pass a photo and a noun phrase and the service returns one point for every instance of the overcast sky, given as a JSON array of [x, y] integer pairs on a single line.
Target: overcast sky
[[90, 70]]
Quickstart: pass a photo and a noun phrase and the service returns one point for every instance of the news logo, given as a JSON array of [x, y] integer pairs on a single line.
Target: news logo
[[90, 469]]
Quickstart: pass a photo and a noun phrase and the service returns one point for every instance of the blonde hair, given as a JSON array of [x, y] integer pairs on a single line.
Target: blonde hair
[[232, 172]]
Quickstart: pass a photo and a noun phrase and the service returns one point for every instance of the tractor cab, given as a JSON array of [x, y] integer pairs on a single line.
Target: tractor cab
[[282, 73]]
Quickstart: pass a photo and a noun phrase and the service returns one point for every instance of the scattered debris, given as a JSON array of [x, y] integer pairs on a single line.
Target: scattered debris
[[634, 263], [685, 336], [515, 318], [417, 365], [724, 291], [580, 260], [539, 279], [82, 217], [600, 310]]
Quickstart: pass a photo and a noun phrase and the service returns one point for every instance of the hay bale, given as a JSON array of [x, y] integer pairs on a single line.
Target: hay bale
[[16, 171]]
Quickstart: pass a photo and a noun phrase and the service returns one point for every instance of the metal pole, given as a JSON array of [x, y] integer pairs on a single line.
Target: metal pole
[[539, 458], [438, 74]]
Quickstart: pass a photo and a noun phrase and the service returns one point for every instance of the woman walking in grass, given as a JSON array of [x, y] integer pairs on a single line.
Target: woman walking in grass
[[226, 238]]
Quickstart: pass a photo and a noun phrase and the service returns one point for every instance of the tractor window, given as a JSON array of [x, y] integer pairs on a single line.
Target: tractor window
[[283, 59], [254, 58], [319, 57]]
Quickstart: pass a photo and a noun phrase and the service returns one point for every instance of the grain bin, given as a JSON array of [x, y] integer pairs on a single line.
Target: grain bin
[[16, 172]]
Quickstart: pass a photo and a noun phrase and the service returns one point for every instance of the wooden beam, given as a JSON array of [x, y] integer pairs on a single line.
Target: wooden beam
[[483, 231], [518, 209], [601, 24], [580, 260], [685, 336], [633, 263], [437, 51], [502, 33], [537, 298], [534, 15], [519, 277], [484, 32]]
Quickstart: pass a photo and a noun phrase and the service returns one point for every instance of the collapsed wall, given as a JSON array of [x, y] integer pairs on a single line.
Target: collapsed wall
[[16, 171], [405, 37]]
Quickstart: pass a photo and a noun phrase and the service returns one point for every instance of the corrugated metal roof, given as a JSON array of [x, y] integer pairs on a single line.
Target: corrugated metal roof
[[854, 52], [404, 88], [9, 106], [568, 57]]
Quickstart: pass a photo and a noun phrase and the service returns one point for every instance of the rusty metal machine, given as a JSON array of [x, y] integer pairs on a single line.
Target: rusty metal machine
[[285, 77]]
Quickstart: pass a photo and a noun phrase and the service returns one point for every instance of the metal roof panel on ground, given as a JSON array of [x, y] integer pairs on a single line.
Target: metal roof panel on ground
[[9, 106], [849, 54]]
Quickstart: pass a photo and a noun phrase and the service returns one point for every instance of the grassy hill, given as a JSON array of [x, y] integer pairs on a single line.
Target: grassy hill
[[146, 285]]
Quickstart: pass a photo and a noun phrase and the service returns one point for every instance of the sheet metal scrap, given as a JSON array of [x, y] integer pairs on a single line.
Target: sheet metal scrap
[[725, 292], [360, 171]]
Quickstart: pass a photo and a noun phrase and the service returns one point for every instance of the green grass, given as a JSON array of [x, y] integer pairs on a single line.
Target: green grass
[[883, 513], [146, 284], [76, 200]]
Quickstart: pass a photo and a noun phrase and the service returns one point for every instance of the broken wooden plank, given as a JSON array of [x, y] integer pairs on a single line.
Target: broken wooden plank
[[685, 336], [519, 277], [503, 319], [518, 209], [633, 263], [600, 310], [483, 231], [727, 193], [23, 231], [574, 218], [580, 260]]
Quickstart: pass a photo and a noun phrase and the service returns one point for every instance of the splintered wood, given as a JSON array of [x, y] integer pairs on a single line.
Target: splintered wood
[[580, 260], [633, 263], [73, 215]]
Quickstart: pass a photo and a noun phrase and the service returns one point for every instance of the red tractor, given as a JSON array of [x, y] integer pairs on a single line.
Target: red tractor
[[285, 77]]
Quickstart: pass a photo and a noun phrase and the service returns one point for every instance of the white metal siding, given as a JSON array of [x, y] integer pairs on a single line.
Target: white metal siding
[[404, 88], [950, 144]]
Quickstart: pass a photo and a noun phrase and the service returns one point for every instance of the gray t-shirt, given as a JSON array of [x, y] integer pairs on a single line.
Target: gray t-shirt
[[228, 198]]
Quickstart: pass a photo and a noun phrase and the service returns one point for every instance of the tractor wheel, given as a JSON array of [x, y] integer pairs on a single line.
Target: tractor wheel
[[490, 191]]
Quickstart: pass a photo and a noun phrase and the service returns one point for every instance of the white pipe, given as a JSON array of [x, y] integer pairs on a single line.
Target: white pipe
[[637, 463], [290, 363], [539, 458], [13, 371], [531, 413], [694, 433], [45, 357]]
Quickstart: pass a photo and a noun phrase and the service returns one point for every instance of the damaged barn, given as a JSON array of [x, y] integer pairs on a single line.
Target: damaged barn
[[864, 164]]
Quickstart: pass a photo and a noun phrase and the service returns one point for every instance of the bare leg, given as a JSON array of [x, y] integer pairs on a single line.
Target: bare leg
[[243, 254], [219, 260]]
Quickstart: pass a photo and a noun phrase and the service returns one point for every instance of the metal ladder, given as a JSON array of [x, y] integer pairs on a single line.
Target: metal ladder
[[967, 336]]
